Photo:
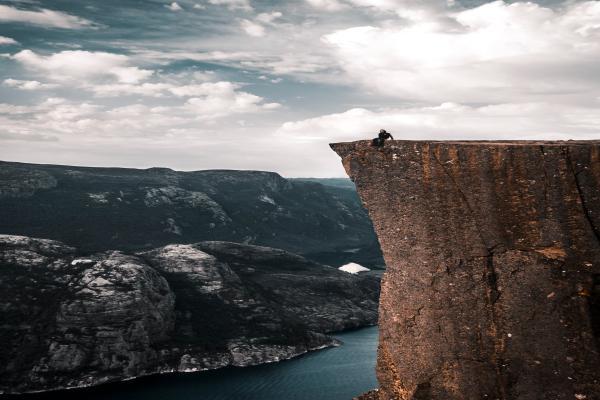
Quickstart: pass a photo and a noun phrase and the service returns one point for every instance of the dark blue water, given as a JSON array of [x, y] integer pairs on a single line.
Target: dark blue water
[[338, 373]]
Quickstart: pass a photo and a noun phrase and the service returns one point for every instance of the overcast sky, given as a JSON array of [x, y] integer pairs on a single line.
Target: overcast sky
[[244, 84]]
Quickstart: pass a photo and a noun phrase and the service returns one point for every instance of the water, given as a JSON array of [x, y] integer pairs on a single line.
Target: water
[[338, 373]]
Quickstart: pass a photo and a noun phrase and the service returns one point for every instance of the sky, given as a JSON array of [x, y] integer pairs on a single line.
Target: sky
[[266, 85]]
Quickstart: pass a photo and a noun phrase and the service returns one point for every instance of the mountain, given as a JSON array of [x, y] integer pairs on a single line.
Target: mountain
[[340, 183], [73, 319], [98, 209], [492, 289]]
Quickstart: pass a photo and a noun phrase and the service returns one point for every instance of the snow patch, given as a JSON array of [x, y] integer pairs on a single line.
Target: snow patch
[[266, 199], [353, 268], [81, 261], [99, 198]]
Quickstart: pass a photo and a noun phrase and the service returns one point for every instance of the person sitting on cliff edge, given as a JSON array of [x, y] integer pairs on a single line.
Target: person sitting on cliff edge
[[380, 140]]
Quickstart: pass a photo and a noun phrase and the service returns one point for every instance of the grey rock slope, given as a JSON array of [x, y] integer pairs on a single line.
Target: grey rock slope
[[68, 320], [140, 209]]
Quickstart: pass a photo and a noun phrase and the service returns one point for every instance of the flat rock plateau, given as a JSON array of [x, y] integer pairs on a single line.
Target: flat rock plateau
[[75, 319], [492, 287]]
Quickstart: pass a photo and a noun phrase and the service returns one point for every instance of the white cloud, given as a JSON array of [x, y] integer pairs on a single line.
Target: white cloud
[[256, 28], [130, 74], [327, 5], [453, 121], [201, 105], [78, 64], [60, 118], [214, 100], [6, 40], [12, 109], [43, 17], [28, 85], [252, 28], [126, 89], [271, 106], [233, 4], [268, 17], [199, 6], [205, 89], [174, 6], [280, 62], [408, 9], [266, 78], [500, 53]]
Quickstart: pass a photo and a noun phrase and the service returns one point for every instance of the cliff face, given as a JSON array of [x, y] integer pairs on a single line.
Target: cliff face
[[493, 267], [70, 321]]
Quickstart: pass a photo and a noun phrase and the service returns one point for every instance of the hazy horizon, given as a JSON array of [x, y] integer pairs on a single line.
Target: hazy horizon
[[173, 169], [243, 84]]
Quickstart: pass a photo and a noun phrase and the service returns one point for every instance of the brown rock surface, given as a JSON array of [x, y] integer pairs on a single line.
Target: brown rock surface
[[493, 256]]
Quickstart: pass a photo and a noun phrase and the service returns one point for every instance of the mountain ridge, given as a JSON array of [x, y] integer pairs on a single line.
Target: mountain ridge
[[136, 209]]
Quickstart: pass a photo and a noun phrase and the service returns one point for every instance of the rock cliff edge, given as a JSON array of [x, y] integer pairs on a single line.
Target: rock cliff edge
[[493, 253]]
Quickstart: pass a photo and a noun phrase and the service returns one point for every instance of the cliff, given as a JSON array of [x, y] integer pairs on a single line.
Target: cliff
[[492, 288], [73, 320]]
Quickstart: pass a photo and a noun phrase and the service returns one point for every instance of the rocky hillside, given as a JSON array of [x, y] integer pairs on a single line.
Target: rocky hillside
[[71, 319], [97, 209], [492, 289]]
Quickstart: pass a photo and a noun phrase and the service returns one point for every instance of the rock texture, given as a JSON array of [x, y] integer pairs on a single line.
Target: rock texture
[[68, 320], [493, 267], [99, 209]]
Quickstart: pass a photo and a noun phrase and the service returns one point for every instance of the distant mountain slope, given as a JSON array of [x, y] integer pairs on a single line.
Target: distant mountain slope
[[342, 183], [72, 320], [97, 209]]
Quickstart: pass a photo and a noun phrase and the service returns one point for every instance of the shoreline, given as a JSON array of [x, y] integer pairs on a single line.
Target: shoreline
[[174, 371]]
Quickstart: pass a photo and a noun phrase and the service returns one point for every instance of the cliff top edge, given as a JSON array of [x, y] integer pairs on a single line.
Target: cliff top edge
[[345, 147], [482, 142]]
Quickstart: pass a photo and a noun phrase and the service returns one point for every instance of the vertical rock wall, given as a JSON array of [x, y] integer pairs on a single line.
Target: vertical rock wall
[[493, 256]]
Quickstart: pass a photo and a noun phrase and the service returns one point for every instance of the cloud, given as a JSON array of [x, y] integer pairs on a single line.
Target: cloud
[[126, 89], [408, 9], [192, 107], [6, 40], [52, 116], [79, 64], [174, 6], [256, 28], [213, 100], [43, 17], [65, 119], [252, 28], [28, 85], [280, 62], [452, 121], [268, 17], [233, 4], [28, 137], [204, 89], [499, 52], [222, 90], [327, 5]]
